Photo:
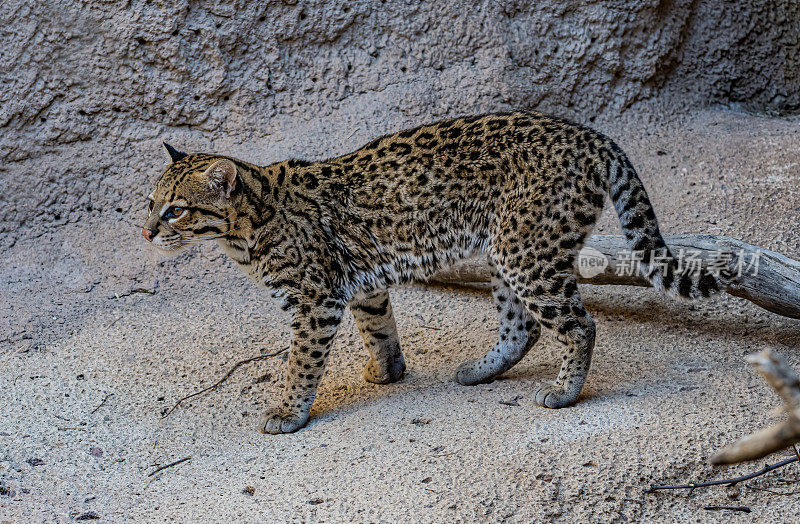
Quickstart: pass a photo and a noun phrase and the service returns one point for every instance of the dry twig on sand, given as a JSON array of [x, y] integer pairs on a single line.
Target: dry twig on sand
[[103, 403], [162, 468], [224, 378], [763, 277], [743, 509], [786, 383], [724, 482]]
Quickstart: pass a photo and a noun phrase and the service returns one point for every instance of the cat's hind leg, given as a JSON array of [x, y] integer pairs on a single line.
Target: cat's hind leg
[[536, 256], [562, 312], [518, 333]]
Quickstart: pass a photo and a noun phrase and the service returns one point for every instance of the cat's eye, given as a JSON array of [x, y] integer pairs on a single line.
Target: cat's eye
[[173, 212]]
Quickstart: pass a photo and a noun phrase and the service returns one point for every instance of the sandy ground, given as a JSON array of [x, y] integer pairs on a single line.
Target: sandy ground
[[101, 336]]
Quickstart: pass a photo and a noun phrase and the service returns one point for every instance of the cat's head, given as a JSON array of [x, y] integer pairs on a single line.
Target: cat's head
[[194, 200]]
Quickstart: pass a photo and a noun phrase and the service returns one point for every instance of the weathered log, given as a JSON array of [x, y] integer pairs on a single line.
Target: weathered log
[[764, 277], [786, 383]]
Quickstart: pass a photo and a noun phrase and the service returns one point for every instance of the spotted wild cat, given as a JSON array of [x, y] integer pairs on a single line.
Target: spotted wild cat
[[524, 187]]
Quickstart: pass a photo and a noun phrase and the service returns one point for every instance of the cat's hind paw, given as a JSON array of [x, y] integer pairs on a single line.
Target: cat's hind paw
[[553, 396], [278, 421]]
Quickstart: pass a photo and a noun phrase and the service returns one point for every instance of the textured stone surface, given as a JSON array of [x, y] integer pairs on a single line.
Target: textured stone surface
[[88, 88]]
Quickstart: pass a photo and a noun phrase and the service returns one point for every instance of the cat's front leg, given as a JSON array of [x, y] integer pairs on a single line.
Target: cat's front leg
[[313, 329], [373, 314]]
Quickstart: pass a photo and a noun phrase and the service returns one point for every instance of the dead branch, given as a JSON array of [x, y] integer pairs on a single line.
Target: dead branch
[[224, 378], [774, 285], [786, 383], [724, 482]]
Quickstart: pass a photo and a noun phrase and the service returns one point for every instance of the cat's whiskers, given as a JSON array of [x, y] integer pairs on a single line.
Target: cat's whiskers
[[208, 236]]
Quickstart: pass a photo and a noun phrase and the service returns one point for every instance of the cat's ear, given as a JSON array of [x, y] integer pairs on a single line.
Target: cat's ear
[[222, 175], [174, 154]]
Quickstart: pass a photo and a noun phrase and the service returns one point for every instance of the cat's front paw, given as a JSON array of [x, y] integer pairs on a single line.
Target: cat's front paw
[[553, 396], [279, 421], [392, 372]]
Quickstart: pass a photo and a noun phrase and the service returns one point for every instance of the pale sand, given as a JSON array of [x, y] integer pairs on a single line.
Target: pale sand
[[668, 384]]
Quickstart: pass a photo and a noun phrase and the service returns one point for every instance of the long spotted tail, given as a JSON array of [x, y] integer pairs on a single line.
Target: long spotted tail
[[638, 220]]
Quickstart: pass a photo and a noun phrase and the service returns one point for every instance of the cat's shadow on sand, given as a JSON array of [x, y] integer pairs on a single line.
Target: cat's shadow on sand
[[743, 324]]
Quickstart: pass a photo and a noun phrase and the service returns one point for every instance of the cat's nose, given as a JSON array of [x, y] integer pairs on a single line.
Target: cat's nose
[[149, 234]]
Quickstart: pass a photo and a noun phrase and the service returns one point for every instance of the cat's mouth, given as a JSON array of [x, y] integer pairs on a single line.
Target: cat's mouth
[[170, 246], [170, 250]]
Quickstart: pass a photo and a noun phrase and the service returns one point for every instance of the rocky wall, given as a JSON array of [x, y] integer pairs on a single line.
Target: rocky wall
[[88, 88]]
